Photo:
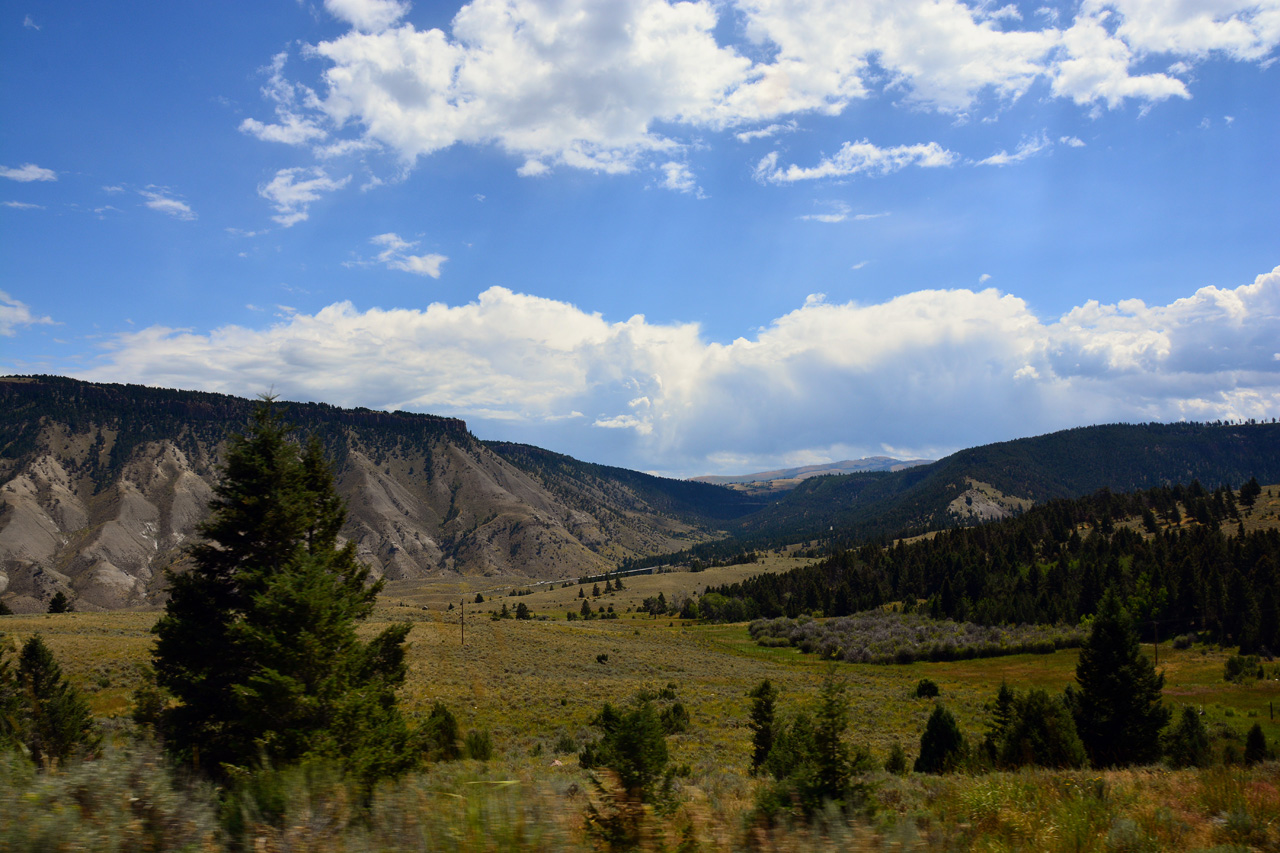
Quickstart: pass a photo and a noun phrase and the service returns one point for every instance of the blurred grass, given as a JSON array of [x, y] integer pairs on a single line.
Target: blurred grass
[[535, 685]]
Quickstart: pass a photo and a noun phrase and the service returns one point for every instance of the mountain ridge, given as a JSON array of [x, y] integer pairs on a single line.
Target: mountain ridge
[[102, 486]]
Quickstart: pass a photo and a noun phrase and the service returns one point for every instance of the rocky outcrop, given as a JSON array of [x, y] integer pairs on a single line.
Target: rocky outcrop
[[103, 487]]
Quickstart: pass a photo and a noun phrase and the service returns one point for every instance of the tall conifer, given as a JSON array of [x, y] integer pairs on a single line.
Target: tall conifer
[[1118, 709], [258, 643]]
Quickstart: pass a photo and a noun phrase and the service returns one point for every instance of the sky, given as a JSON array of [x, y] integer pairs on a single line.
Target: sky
[[687, 238]]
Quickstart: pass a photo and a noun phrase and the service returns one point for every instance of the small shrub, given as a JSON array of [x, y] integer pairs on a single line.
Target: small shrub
[[478, 745], [925, 689], [896, 763], [1242, 668], [1183, 641]]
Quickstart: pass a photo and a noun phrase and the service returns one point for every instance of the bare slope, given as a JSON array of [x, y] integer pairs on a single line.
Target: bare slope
[[102, 486]]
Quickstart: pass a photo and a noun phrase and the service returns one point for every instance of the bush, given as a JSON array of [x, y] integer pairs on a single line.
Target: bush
[[478, 745], [439, 734], [925, 689], [1184, 641], [1242, 669], [896, 763]]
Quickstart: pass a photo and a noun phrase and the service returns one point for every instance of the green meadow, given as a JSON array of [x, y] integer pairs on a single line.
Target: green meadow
[[534, 686]]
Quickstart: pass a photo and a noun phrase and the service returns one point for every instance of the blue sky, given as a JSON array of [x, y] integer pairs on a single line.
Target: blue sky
[[679, 237]]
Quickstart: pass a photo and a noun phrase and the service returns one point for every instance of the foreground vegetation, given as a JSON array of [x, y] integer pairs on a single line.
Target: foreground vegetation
[[535, 688]]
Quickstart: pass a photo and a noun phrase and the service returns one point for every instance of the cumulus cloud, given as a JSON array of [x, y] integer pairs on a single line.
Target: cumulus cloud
[[15, 314], [159, 199], [28, 172], [857, 158], [368, 15], [292, 191], [615, 85], [822, 376], [395, 255]]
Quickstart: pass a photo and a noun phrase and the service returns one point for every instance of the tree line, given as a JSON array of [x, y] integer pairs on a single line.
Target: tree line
[[1178, 556]]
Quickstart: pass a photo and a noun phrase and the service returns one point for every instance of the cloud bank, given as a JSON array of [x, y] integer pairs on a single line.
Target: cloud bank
[[615, 85], [929, 370]]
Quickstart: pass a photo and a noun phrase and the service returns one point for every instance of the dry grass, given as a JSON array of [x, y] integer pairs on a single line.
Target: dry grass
[[534, 683]]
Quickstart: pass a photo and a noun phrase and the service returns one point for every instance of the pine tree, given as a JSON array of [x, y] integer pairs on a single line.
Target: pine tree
[[763, 707], [942, 746], [42, 711], [60, 603], [258, 643], [1118, 710]]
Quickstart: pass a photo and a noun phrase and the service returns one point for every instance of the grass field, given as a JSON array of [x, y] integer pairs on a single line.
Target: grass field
[[535, 684]]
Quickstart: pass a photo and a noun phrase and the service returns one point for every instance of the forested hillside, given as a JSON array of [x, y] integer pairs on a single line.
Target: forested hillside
[[1182, 559], [1005, 477]]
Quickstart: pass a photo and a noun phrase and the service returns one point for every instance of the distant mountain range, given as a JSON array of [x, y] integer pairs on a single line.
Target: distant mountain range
[[788, 478], [102, 487]]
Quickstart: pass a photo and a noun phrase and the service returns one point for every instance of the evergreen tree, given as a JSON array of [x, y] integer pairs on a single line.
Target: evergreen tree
[[1118, 710], [1255, 746], [1187, 744], [258, 642], [634, 746], [41, 711], [942, 746], [763, 706], [60, 603], [1039, 732]]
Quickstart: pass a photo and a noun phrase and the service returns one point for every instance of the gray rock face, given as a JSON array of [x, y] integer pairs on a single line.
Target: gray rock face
[[101, 500]]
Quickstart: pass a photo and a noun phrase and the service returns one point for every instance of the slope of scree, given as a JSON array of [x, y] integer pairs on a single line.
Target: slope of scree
[[102, 486]]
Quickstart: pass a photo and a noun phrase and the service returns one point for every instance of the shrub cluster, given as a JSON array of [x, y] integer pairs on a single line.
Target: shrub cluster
[[877, 636]]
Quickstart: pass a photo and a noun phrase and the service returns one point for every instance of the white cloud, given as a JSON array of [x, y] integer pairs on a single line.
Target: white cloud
[[1028, 147], [368, 15], [767, 132], [857, 158], [22, 205], [1071, 141], [678, 177], [396, 256], [292, 127], [15, 314], [292, 191], [839, 213], [28, 172], [30, 23], [615, 85], [823, 375], [158, 198]]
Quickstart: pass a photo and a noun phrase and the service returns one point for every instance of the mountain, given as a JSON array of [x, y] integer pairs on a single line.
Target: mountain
[[1002, 479], [788, 478], [102, 486]]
